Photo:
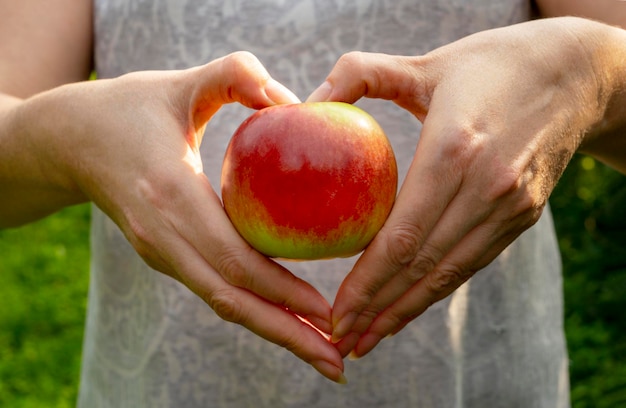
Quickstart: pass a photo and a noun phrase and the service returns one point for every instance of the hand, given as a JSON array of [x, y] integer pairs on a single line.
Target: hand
[[130, 144], [503, 111]]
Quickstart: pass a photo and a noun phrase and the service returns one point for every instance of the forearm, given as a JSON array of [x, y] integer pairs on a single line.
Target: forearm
[[32, 184]]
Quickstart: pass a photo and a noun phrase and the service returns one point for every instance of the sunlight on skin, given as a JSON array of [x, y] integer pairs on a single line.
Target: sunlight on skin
[[325, 335], [193, 159]]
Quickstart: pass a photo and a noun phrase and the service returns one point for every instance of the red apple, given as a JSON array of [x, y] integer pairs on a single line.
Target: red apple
[[309, 181]]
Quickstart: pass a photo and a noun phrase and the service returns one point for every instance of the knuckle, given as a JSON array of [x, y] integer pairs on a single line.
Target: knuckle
[[361, 293], [243, 66], [507, 183], [529, 208], [446, 278], [226, 305], [365, 319], [425, 261], [351, 60], [240, 59], [534, 215], [233, 264], [463, 145], [143, 230], [139, 237], [403, 242], [243, 76], [523, 200], [523, 220], [353, 66], [370, 313]]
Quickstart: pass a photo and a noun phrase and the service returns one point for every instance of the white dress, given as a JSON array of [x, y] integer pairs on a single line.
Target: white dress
[[149, 342]]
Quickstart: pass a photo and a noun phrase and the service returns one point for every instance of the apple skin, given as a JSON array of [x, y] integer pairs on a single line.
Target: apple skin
[[309, 181]]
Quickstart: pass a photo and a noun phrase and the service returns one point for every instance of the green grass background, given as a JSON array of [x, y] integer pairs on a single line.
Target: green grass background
[[44, 279], [43, 288]]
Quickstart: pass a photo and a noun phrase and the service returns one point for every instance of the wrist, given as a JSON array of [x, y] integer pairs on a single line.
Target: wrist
[[605, 47]]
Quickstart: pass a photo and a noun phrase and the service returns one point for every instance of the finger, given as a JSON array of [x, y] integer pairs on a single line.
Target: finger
[[347, 344], [423, 198], [269, 321], [502, 227], [472, 223], [436, 207], [269, 314], [408, 81], [237, 77], [208, 229], [463, 213], [475, 251]]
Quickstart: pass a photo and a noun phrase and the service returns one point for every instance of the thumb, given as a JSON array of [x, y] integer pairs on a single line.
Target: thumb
[[237, 77], [407, 81]]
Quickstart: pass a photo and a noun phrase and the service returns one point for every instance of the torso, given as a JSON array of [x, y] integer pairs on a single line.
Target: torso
[[150, 342]]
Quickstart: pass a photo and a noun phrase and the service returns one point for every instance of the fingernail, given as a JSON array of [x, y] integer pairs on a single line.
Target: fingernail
[[342, 327], [353, 356], [279, 93], [321, 94], [330, 371]]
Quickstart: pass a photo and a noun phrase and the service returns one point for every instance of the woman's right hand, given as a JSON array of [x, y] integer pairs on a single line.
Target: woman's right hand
[[130, 145]]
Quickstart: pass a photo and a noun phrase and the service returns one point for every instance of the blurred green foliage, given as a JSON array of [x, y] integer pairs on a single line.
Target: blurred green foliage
[[44, 269], [589, 207], [44, 277]]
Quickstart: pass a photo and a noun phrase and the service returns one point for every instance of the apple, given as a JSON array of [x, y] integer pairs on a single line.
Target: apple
[[312, 180]]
